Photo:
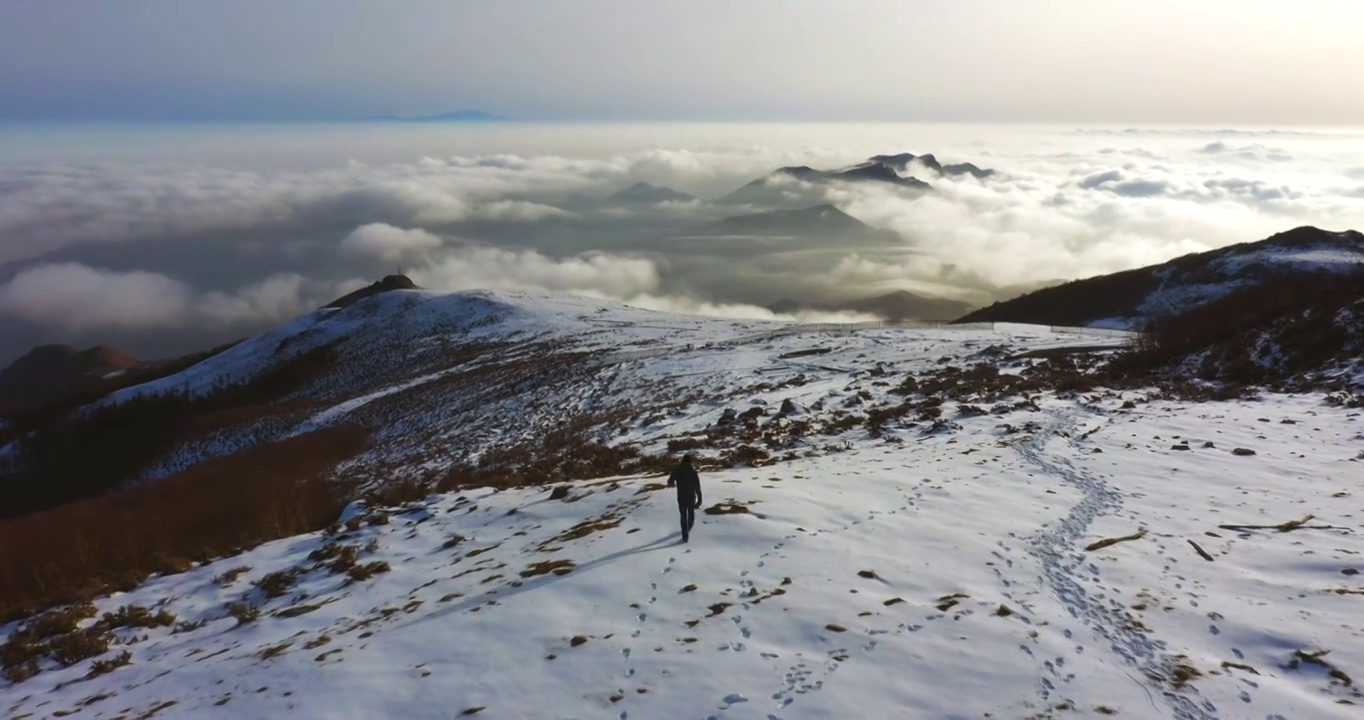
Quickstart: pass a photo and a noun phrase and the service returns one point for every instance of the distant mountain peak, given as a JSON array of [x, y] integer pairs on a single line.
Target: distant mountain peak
[[648, 193], [902, 161], [454, 116], [387, 284], [50, 372], [1134, 297], [815, 221]]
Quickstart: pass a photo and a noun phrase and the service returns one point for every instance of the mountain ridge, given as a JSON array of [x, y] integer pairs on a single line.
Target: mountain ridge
[[49, 372], [452, 116], [488, 530], [1132, 298], [898, 305]]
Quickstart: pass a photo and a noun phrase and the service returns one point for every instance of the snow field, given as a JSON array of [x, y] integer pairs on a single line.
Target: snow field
[[950, 528]]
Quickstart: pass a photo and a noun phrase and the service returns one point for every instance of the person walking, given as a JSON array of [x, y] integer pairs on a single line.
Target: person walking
[[688, 493]]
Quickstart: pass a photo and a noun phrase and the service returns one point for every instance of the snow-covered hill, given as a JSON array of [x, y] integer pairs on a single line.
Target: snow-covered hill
[[900, 522], [1132, 298]]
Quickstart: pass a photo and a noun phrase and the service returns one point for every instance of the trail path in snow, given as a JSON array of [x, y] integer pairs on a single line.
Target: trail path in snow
[[934, 574]]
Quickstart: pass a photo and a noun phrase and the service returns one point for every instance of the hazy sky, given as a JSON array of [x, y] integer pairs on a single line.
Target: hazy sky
[[1181, 61]]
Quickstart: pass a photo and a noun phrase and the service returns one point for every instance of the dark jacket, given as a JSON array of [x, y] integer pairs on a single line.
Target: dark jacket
[[688, 485]]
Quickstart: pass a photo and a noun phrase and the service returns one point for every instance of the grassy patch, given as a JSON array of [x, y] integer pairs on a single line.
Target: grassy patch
[[219, 507], [947, 602], [244, 612], [54, 634], [585, 528], [137, 616], [558, 567], [274, 651], [730, 507], [360, 573], [229, 576], [278, 583], [104, 667]]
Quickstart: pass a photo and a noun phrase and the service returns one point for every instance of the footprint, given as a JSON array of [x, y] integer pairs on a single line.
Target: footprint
[[642, 617]]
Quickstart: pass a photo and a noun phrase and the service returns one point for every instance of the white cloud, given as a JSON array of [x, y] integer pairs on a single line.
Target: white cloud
[[495, 268], [691, 306], [515, 211], [1064, 205], [274, 299], [76, 298], [385, 242]]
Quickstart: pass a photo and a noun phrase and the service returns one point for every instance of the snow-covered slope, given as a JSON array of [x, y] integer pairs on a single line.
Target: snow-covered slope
[[436, 374], [1131, 298], [945, 576], [442, 377], [889, 532]]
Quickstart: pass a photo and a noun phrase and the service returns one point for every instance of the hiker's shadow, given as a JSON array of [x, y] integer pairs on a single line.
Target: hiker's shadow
[[541, 581]]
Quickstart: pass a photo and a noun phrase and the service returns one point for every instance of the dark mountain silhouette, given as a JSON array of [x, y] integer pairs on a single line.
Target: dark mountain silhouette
[[899, 305], [825, 221], [1136, 297], [781, 186], [50, 372], [902, 161], [643, 192], [456, 116], [877, 172], [390, 282]]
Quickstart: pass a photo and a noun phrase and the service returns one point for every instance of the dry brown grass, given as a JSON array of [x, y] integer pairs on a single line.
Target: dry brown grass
[[244, 612], [103, 667], [558, 567], [571, 452], [360, 573], [278, 583], [55, 635], [1297, 311], [61, 457], [136, 616], [216, 508]]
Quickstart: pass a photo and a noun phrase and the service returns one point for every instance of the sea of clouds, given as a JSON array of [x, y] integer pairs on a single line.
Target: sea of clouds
[[184, 241]]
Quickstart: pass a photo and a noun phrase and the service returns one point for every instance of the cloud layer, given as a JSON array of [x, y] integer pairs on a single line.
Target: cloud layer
[[103, 247], [78, 298]]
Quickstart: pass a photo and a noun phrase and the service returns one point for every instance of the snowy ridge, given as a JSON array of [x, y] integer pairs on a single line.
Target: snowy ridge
[[937, 568], [441, 377], [1132, 298], [940, 575]]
